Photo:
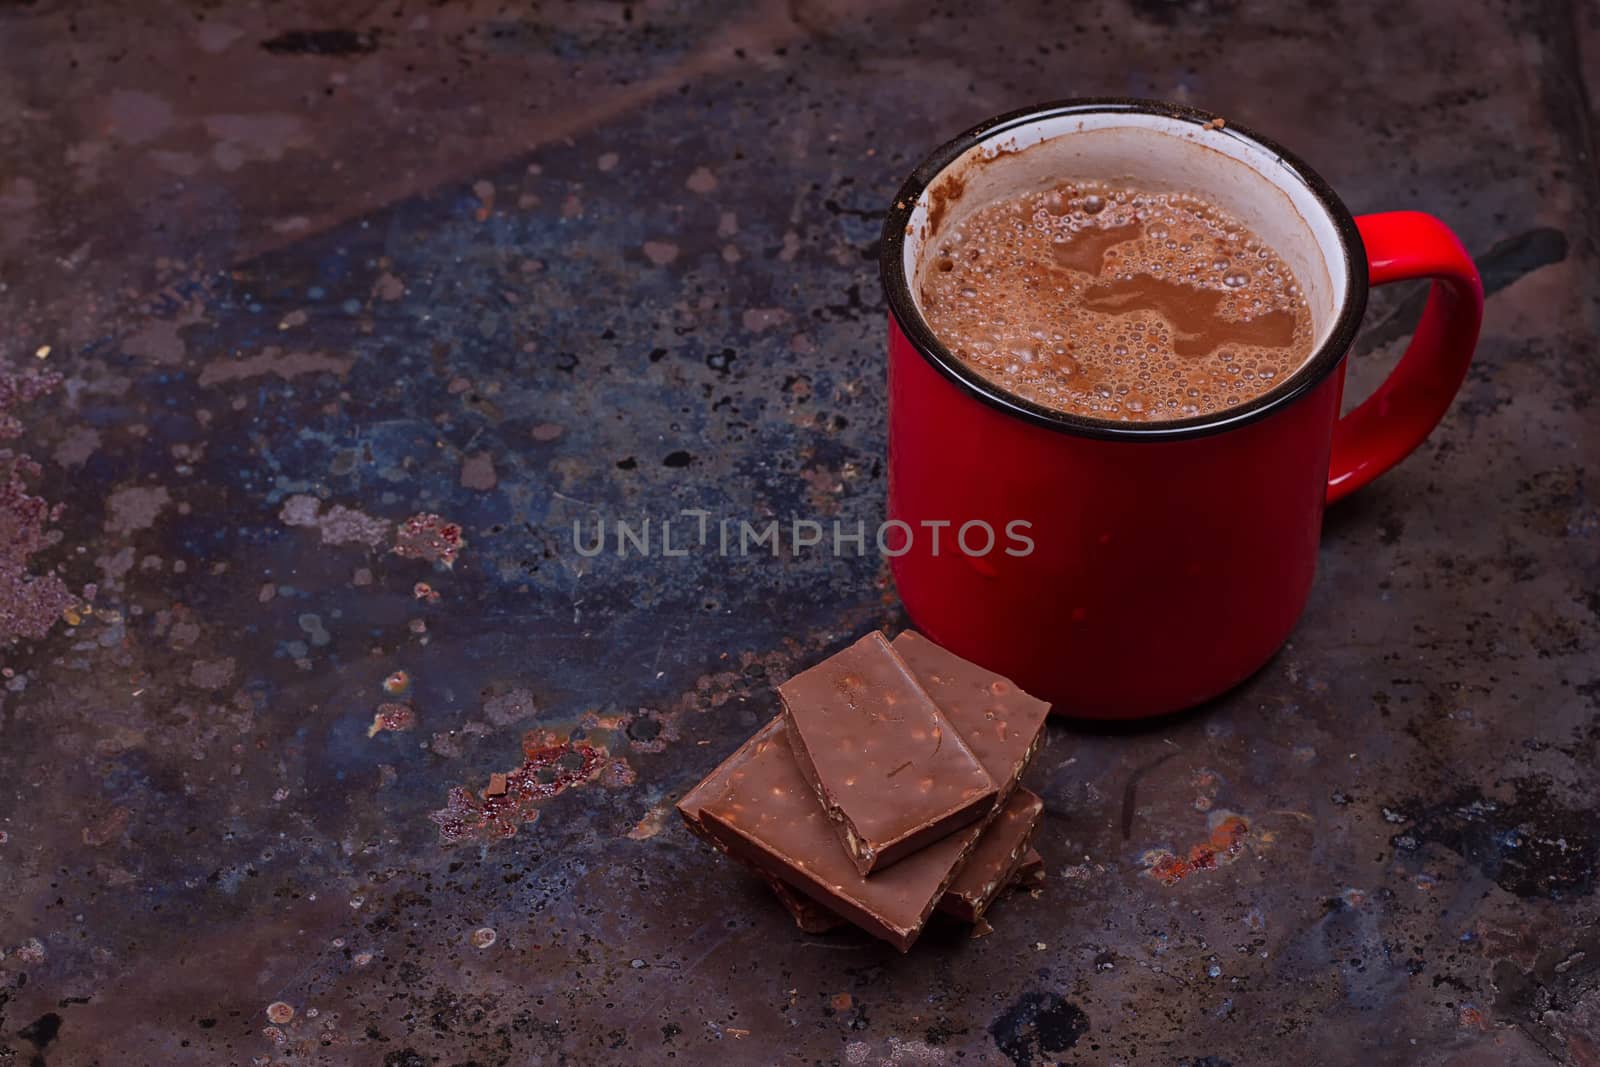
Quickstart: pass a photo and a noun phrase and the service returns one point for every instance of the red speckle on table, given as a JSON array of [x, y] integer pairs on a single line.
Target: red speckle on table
[[392, 717], [29, 603], [430, 537], [425, 592], [1223, 846], [549, 767], [107, 828]]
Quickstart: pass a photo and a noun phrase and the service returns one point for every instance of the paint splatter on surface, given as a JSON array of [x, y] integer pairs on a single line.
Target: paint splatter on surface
[[339, 525]]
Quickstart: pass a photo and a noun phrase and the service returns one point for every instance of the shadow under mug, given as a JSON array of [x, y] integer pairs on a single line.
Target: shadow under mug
[[1169, 560]]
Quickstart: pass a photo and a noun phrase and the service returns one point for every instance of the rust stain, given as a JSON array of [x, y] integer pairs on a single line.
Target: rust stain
[[430, 537], [1222, 847], [273, 360], [550, 767], [392, 717], [109, 828], [30, 603], [650, 825]]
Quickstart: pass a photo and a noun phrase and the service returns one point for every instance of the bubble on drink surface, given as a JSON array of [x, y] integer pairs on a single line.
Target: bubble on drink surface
[[1236, 279], [1093, 204]]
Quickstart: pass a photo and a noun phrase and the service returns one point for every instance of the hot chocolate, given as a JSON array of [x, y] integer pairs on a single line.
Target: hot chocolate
[[1115, 303]]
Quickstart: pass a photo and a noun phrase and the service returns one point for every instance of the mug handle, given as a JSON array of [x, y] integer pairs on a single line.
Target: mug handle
[[1402, 245]]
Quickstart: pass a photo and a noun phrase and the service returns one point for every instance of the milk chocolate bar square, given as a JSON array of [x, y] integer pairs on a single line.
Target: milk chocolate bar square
[[890, 770], [1002, 725], [807, 914], [995, 860], [757, 807], [971, 894], [1029, 873]]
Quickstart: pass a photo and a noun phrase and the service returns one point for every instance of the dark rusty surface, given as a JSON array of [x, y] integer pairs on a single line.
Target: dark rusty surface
[[311, 270]]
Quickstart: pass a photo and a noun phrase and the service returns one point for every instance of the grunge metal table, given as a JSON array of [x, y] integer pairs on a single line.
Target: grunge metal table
[[322, 283]]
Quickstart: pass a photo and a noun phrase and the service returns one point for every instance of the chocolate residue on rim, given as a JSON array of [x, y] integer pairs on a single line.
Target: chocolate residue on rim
[[949, 187], [946, 191]]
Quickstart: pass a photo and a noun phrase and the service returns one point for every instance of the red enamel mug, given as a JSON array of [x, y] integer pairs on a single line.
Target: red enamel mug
[[1169, 560]]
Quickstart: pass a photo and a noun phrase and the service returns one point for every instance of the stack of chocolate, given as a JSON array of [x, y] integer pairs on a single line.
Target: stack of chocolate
[[886, 788]]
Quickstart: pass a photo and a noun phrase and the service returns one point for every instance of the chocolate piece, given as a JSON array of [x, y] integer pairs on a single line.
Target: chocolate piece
[[808, 915], [783, 833], [757, 806], [1029, 873], [891, 772], [1000, 723], [965, 899], [711, 786], [992, 863]]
